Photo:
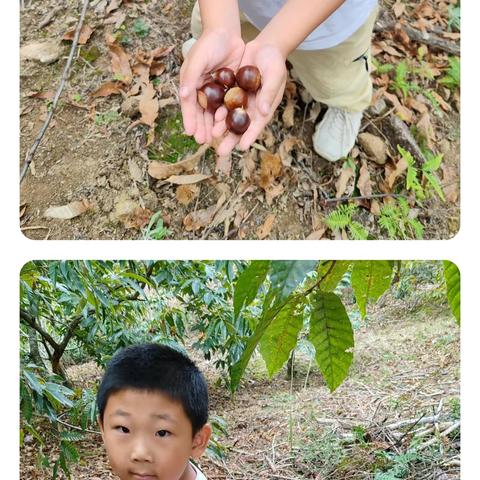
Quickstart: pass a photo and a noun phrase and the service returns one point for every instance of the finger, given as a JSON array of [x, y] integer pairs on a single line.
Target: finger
[[200, 131], [221, 114], [191, 75], [272, 83], [228, 144], [208, 118], [219, 129]]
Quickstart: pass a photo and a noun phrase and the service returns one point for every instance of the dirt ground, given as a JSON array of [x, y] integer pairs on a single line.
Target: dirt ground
[[90, 155], [406, 366]]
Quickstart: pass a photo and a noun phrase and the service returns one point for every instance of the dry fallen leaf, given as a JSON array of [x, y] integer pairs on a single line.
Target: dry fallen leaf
[[47, 95], [247, 163], [107, 89], [113, 5], [286, 147], [85, 34], [391, 174], [341, 184], [450, 183], [403, 112], [317, 234], [364, 183], [185, 194], [201, 218], [148, 105], [266, 228], [120, 63], [270, 169], [162, 170], [187, 179], [66, 212], [425, 129], [138, 219]]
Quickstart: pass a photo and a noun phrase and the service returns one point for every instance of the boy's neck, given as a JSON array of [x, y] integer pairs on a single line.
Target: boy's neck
[[189, 473]]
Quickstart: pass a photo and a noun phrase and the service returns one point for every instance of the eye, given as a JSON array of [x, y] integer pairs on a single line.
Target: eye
[[163, 433], [122, 429]]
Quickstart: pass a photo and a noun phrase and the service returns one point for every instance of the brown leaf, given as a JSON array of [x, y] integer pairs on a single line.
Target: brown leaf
[[286, 147], [185, 194], [247, 164], [47, 95], [425, 129], [138, 219], [392, 174], [157, 68], [201, 218], [399, 8], [120, 63], [289, 113], [317, 234], [450, 183], [148, 105], [273, 191], [364, 183], [113, 5], [107, 89], [187, 179], [403, 112], [116, 19], [162, 170], [270, 169], [445, 106], [345, 176], [85, 34], [66, 212], [266, 228]]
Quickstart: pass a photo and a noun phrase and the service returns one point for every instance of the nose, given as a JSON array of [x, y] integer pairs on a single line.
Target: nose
[[140, 451]]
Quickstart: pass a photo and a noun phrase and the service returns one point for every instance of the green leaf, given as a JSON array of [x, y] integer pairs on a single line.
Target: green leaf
[[331, 334], [139, 278], [452, 279], [369, 280], [248, 283], [335, 274], [59, 393], [33, 381], [281, 336], [285, 276]]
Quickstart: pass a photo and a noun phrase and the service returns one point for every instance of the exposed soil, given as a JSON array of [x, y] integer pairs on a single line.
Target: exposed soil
[[88, 153]]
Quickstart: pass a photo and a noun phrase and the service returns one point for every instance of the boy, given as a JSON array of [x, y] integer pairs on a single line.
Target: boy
[[326, 41], [153, 411]]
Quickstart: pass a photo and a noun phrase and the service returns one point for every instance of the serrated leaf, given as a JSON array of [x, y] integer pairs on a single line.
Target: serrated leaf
[[331, 334], [370, 278], [452, 279], [280, 337], [335, 274], [248, 283]]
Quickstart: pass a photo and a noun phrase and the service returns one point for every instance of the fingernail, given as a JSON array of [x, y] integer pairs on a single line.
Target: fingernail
[[184, 91], [265, 108]]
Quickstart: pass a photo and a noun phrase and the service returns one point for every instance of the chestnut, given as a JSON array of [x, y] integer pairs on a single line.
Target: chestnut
[[236, 97], [224, 76], [237, 120], [210, 96], [249, 78]]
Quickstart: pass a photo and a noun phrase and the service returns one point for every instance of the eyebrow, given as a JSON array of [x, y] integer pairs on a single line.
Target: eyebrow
[[160, 416]]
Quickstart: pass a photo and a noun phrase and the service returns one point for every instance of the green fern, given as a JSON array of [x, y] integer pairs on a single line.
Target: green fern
[[357, 231], [412, 182], [428, 170], [401, 82], [342, 219], [395, 218], [452, 78]]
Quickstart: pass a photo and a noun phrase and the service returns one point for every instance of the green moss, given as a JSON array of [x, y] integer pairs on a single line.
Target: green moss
[[171, 144]]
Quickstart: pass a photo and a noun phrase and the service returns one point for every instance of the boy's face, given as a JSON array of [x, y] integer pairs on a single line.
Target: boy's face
[[149, 437]]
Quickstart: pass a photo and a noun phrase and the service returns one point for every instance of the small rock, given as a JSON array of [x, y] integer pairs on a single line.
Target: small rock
[[379, 108], [374, 147], [44, 52]]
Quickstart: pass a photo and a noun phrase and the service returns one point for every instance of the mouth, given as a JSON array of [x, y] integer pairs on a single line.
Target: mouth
[[143, 476]]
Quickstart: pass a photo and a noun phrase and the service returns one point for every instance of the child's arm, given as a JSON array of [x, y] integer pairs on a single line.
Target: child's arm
[[295, 21], [269, 51], [220, 45]]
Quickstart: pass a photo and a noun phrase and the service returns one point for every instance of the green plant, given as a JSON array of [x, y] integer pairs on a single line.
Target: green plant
[[106, 118], [341, 220], [401, 80], [455, 408], [452, 78], [399, 464], [155, 230], [395, 218], [141, 28], [454, 17]]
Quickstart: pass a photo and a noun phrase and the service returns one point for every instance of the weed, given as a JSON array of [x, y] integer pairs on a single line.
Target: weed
[[454, 17], [155, 230], [106, 118], [141, 28], [396, 219], [455, 408], [452, 79], [341, 220]]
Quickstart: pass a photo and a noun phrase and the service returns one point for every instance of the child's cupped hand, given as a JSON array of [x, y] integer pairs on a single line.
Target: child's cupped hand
[[214, 49], [262, 105]]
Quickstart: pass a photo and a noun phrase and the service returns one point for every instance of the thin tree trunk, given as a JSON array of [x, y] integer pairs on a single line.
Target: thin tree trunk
[[35, 356]]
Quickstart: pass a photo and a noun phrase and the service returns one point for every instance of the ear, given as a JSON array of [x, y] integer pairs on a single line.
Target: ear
[[200, 441], [100, 424]]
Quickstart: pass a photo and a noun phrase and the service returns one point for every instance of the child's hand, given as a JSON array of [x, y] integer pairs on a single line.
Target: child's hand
[[214, 49], [261, 107]]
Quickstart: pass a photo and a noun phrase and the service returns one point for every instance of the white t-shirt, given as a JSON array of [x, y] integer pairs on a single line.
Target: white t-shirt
[[340, 25], [200, 475]]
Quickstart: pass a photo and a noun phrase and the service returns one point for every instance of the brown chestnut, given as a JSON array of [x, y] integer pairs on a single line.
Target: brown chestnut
[[236, 97], [210, 96], [224, 76], [237, 121], [249, 78]]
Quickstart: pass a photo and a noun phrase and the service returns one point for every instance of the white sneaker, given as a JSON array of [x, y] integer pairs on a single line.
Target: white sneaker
[[187, 46], [335, 135]]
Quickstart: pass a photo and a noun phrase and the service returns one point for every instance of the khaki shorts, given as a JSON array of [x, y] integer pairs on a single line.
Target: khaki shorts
[[337, 76]]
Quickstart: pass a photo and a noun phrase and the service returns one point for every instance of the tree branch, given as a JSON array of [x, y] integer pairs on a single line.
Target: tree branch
[[31, 321]]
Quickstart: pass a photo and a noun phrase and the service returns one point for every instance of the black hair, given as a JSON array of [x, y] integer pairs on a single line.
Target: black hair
[[157, 368]]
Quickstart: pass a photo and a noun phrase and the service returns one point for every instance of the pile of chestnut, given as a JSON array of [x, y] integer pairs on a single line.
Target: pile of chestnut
[[231, 90]]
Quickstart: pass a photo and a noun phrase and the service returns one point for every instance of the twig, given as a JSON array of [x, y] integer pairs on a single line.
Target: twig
[[361, 197], [49, 17], [445, 433], [77, 428], [66, 70]]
